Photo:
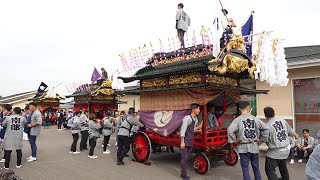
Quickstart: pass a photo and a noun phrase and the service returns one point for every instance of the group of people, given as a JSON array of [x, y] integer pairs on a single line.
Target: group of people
[[62, 118], [13, 124], [246, 130], [88, 126], [249, 132], [302, 146]]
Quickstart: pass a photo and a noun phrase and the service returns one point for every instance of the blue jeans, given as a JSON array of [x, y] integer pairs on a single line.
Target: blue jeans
[[46, 124], [32, 141], [245, 158]]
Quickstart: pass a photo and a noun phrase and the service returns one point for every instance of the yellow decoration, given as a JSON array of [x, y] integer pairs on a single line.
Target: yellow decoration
[[103, 98], [211, 67], [236, 44], [156, 82], [185, 79], [234, 64], [106, 83], [210, 78], [81, 98], [104, 89], [88, 98]]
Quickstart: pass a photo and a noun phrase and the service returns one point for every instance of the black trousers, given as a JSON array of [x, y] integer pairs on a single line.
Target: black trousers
[[181, 37], [300, 152], [292, 151], [92, 143], [64, 123], [100, 81], [7, 157], [84, 140], [59, 125], [74, 143], [272, 164], [105, 142], [123, 147]]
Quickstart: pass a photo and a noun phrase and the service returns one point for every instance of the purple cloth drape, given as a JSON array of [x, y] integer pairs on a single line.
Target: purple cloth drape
[[163, 122]]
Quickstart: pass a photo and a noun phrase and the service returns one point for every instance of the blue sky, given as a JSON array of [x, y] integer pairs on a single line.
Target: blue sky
[[62, 40]]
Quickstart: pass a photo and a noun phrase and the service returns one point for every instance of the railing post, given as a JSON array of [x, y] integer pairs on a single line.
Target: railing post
[[204, 125]]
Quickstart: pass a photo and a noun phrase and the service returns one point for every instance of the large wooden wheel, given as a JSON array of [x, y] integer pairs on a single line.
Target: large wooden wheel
[[201, 163], [232, 158], [141, 147]]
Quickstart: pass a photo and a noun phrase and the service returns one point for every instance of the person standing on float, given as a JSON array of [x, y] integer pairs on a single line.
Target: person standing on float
[[182, 23]]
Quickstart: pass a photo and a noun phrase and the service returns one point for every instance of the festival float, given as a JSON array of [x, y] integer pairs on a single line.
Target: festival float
[[48, 101], [171, 81], [96, 99]]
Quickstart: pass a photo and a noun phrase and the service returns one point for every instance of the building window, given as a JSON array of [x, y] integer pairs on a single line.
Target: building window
[[307, 104], [307, 95]]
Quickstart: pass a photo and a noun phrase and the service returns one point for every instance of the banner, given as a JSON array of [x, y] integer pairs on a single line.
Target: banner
[[95, 75], [247, 29], [163, 122], [42, 88]]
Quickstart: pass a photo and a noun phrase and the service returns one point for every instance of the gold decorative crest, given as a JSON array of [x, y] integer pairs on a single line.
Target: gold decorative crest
[[156, 82], [81, 98], [106, 83], [103, 97], [185, 79], [210, 78], [234, 64], [105, 91]]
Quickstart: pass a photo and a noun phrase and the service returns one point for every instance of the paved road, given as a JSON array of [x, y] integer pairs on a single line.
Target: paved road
[[55, 162]]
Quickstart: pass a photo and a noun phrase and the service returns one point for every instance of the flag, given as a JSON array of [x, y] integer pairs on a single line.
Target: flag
[[218, 28], [95, 75], [217, 31], [247, 29], [42, 88]]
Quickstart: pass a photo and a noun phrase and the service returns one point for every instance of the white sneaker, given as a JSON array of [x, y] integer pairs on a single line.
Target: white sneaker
[[2, 161], [102, 145], [18, 167], [93, 157], [28, 157], [292, 161], [300, 161], [32, 159], [115, 143], [106, 152], [6, 168], [109, 145], [70, 152], [75, 152]]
